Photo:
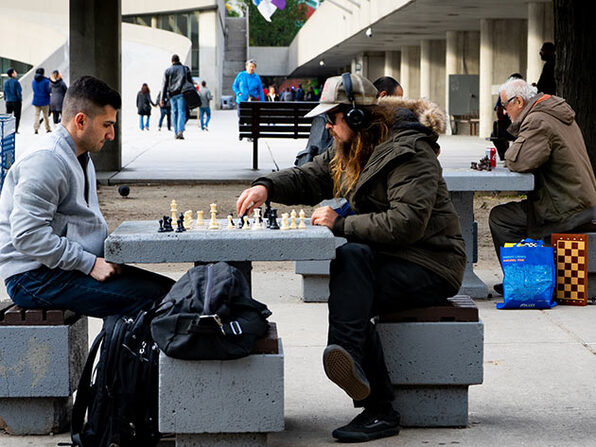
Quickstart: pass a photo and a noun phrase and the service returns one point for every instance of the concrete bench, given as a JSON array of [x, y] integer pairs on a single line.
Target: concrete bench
[[433, 355], [215, 403], [42, 354]]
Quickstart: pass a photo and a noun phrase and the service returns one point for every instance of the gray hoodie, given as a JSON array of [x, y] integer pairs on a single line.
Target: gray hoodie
[[44, 217]]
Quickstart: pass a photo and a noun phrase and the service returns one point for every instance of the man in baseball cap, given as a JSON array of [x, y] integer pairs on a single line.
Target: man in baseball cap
[[404, 246]]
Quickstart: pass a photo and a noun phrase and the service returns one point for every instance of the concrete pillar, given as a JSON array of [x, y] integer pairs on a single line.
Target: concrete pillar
[[95, 49], [392, 65], [208, 60], [425, 67], [410, 71], [153, 21], [376, 66], [432, 71], [486, 76], [540, 30]]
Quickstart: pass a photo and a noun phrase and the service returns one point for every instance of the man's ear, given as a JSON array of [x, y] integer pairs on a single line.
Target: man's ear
[[80, 120], [382, 93]]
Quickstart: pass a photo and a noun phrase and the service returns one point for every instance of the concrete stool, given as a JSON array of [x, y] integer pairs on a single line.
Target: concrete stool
[[315, 280], [42, 354], [433, 354], [224, 403]]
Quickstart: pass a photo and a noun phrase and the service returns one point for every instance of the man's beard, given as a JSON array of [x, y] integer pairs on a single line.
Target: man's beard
[[341, 148]]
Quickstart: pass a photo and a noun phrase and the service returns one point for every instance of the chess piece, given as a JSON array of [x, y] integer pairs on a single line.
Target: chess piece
[[180, 223], [257, 222], [302, 224], [285, 224], [213, 225], [188, 219], [200, 219], [230, 222], [293, 225], [246, 224], [167, 224], [272, 219], [161, 230], [173, 209]]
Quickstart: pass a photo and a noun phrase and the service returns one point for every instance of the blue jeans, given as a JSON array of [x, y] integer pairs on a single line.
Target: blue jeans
[[124, 294], [165, 112], [146, 122], [178, 106], [202, 112]]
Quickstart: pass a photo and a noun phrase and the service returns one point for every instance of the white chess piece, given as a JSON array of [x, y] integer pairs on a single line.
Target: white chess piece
[[246, 225], [174, 210], [213, 225], [200, 219], [293, 225], [257, 222], [230, 223], [302, 224], [284, 222], [188, 219]]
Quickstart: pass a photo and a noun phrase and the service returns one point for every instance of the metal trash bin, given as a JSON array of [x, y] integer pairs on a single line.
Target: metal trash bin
[[7, 138], [227, 102]]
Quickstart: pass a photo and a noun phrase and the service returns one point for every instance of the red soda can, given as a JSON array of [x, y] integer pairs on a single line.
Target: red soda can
[[493, 157]]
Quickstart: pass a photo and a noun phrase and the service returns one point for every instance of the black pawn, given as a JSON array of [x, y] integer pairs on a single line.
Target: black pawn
[[272, 221], [161, 228]]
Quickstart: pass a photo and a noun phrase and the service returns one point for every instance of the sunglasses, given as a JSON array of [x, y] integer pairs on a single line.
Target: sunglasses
[[330, 118]]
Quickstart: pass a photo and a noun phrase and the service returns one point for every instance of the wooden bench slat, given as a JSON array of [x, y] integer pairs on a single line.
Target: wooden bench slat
[[462, 309], [13, 315], [267, 344]]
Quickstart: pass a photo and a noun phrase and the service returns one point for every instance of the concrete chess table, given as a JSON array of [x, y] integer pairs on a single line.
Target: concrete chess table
[[140, 242]]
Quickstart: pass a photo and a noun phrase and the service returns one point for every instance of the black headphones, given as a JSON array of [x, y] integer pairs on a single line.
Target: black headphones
[[355, 117]]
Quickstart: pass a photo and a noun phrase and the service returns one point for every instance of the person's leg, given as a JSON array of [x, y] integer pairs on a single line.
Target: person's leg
[[36, 118], [208, 112], [46, 118], [126, 294], [141, 122], [169, 118], [17, 114], [508, 223], [55, 117], [183, 115], [147, 118], [174, 112], [201, 117], [162, 114]]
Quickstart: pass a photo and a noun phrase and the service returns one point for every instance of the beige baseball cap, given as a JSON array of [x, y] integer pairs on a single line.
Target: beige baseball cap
[[334, 94]]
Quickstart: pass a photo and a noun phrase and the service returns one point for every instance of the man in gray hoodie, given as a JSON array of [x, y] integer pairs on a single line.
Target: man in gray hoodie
[[51, 228]]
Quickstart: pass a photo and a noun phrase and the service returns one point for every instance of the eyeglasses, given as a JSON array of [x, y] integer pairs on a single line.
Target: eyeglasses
[[506, 103], [330, 118]]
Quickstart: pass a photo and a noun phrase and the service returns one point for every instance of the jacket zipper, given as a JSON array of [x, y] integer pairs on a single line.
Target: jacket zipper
[[207, 306]]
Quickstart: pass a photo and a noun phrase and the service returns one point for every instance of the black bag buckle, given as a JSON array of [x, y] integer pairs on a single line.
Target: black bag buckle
[[212, 319]]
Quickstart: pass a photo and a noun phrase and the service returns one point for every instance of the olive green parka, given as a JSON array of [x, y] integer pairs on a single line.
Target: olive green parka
[[401, 204]]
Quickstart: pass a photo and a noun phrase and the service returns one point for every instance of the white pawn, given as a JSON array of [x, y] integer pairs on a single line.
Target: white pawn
[[302, 224], [284, 222], [246, 225], [230, 223], [200, 219], [293, 225], [257, 223]]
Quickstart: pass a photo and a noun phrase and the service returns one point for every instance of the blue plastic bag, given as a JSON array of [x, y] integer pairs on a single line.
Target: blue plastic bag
[[529, 276]]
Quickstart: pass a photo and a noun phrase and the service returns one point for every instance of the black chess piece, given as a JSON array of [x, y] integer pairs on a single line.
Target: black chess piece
[[267, 209], [167, 225], [180, 223], [161, 228], [232, 219], [272, 220], [241, 222]]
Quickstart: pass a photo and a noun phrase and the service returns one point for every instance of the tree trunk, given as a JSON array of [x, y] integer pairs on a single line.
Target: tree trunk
[[575, 72]]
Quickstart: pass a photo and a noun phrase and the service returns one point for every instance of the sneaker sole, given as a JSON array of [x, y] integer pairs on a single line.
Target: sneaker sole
[[340, 369]]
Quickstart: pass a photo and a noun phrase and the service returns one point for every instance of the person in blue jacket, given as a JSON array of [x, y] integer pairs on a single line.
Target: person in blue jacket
[[13, 95], [248, 86], [41, 99]]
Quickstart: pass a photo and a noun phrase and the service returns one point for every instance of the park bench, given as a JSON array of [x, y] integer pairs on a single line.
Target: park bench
[[273, 120], [224, 403], [42, 353], [433, 355]]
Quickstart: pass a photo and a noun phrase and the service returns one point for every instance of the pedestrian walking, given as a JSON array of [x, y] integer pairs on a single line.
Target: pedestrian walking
[[57, 91], [205, 109], [144, 104], [41, 99], [13, 96], [164, 111], [176, 78]]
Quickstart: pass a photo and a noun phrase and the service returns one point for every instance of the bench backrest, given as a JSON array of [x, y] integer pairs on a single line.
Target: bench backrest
[[275, 119]]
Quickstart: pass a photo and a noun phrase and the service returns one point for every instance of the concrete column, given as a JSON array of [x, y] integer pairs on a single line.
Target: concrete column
[[425, 68], [376, 66], [392, 65], [432, 71], [540, 30], [410, 71], [486, 77], [95, 49], [153, 21], [451, 67], [208, 61]]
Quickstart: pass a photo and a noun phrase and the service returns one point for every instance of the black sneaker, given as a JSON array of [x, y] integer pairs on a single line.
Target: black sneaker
[[345, 372], [368, 425]]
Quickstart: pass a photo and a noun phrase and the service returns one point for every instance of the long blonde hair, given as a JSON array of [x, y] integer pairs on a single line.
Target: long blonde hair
[[350, 159]]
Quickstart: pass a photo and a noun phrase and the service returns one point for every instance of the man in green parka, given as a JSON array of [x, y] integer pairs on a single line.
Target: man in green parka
[[405, 247]]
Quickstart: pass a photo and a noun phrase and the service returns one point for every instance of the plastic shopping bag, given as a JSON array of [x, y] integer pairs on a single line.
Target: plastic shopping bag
[[529, 276]]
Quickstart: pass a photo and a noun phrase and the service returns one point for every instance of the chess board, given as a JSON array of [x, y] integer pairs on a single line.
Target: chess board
[[571, 265]]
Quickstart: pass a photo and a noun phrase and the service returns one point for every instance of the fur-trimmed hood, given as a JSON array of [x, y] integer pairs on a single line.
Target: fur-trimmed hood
[[427, 113]]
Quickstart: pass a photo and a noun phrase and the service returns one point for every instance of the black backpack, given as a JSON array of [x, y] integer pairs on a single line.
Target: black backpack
[[209, 314], [122, 400]]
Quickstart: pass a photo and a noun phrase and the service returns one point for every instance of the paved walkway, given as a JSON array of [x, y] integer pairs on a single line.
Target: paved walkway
[[539, 381]]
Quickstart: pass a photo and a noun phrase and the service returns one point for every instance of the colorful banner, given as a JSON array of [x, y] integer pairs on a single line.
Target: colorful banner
[[268, 7]]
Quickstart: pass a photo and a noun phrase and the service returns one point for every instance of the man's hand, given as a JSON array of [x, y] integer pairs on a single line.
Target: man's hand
[[102, 270], [251, 198], [324, 216], [162, 104]]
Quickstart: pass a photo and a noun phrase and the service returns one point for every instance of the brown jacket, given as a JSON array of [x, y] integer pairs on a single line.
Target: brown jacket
[[550, 145], [401, 204]]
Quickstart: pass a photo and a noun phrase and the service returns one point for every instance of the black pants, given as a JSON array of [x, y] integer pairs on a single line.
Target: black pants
[[364, 284], [56, 116], [15, 109]]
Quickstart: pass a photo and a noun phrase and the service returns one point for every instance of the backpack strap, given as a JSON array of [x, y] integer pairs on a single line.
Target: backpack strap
[[83, 399], [209, 324]]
